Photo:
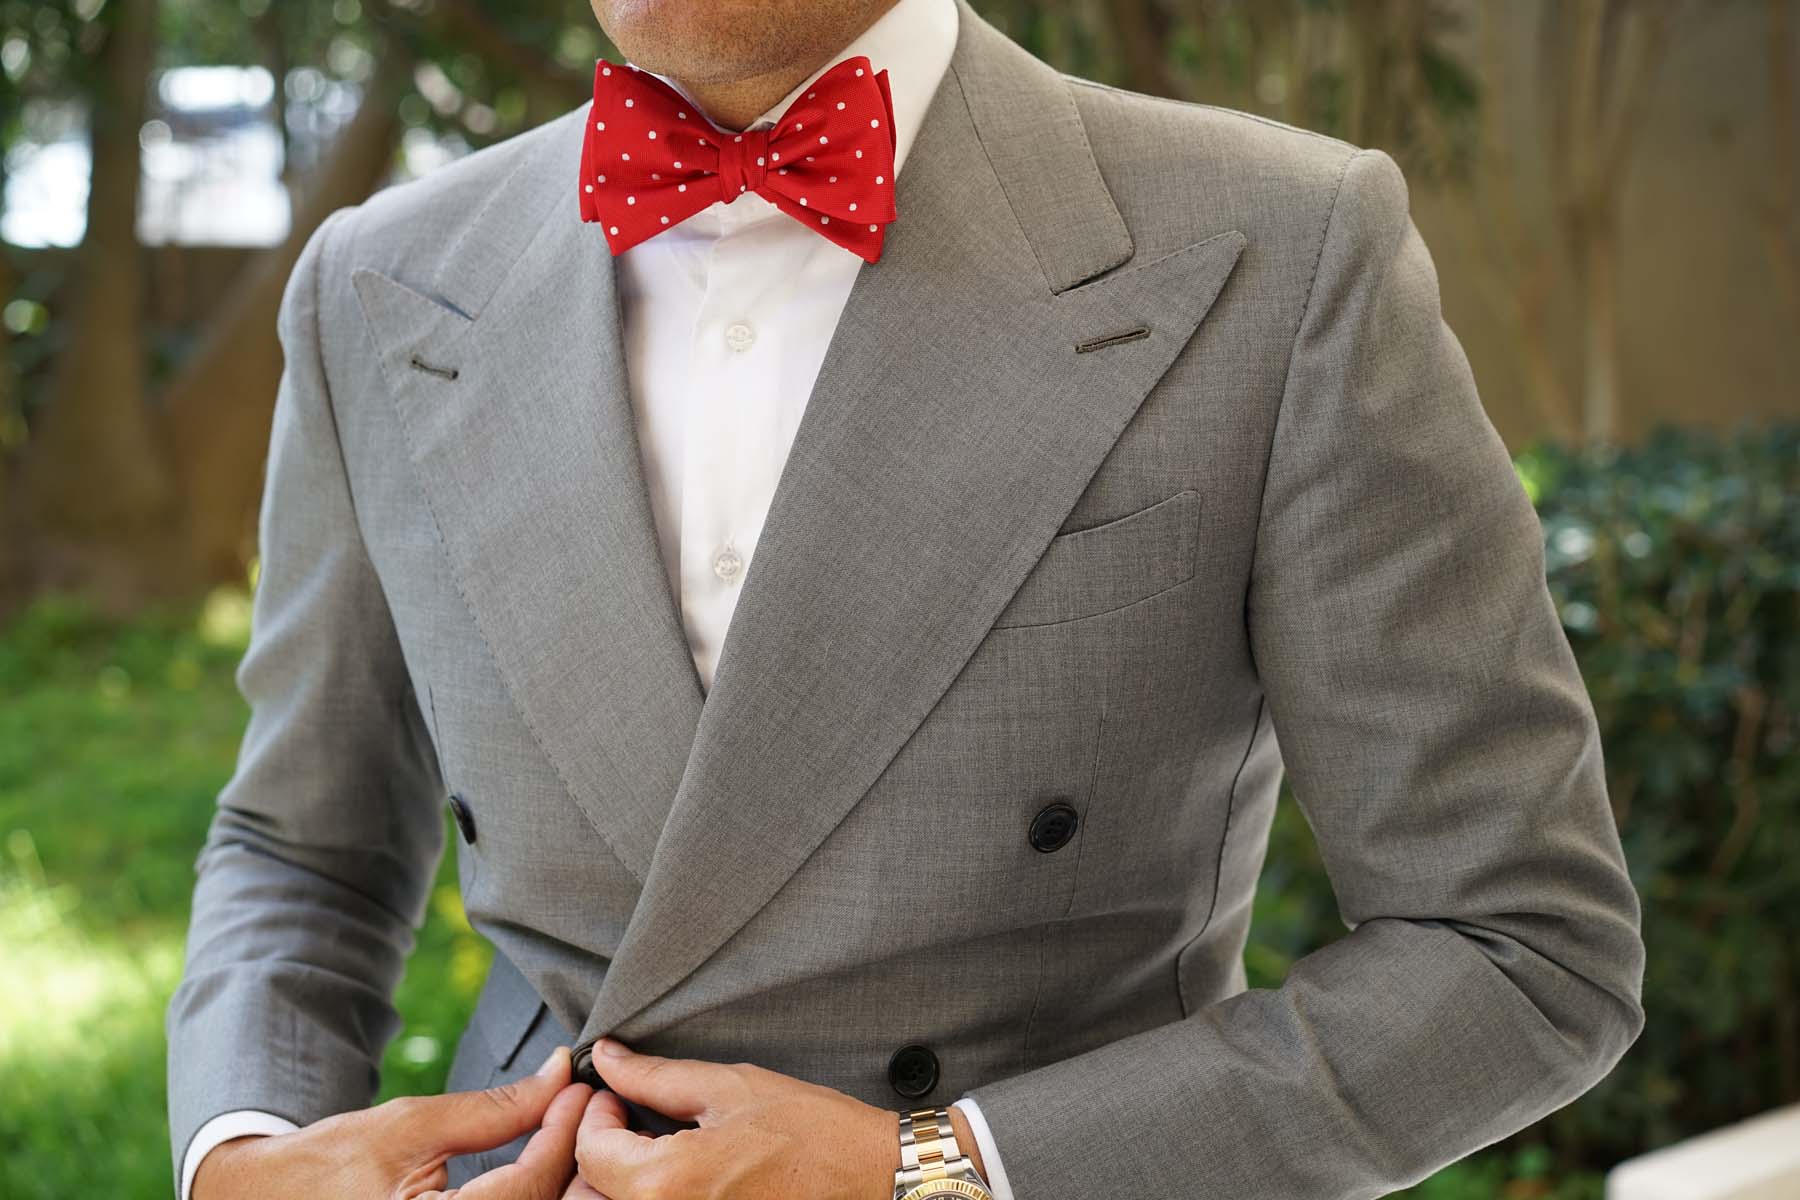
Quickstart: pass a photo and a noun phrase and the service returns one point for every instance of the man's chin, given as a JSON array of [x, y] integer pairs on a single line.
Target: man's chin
[[706, 41]]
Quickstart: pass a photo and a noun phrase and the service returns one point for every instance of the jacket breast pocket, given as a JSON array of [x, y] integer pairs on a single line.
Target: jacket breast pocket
[[1104, 567]]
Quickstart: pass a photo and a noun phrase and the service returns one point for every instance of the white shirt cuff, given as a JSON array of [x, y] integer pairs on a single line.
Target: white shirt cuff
[[984, 1142], [223, 1128]]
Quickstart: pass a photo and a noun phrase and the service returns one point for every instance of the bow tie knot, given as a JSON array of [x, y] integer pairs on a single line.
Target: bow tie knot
[[743, 163], [650, 159]]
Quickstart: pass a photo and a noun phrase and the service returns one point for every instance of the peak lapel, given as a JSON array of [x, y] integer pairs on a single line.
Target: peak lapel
[[951, 429], [529, 459]]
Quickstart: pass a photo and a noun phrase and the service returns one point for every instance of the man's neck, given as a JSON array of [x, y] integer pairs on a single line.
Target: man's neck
[[734, 104]]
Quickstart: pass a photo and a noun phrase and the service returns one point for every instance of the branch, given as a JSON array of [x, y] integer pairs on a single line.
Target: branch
[[472, 24]]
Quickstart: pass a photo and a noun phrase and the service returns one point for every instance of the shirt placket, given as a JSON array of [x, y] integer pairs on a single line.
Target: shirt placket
[[732, 421]]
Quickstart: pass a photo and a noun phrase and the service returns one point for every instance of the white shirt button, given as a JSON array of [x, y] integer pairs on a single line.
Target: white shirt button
[[739, 336], [728, 564]]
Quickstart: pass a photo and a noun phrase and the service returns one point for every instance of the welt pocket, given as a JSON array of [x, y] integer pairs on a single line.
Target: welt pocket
[[1095, 570]]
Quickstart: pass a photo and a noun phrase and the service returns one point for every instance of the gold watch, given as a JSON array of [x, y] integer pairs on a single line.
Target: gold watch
[[932, 1165]]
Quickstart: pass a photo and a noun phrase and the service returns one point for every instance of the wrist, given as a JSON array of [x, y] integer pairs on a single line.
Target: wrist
[[216, 1164], [965, 1138], [885, 1127]]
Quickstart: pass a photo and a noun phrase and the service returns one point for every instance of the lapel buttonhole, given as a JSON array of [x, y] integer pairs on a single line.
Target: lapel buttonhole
[[1110, 340], [440, 372]]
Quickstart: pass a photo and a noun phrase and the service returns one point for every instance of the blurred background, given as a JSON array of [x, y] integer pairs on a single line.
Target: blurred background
[[1609, 188]]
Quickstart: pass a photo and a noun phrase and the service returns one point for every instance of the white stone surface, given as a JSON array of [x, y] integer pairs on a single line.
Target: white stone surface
[[1758, 1159]]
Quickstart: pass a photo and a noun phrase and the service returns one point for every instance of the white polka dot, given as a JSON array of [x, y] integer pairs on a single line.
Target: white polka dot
[[629, 102], [737, 137], [840, 104], [803, 202], [782, 171], [741, 187], [615, 229], [859, 154], [859, 72], [681, 116], [823, 139], [759, 160], [873, 123], [678, 164], [871, 229], [834, 179], [824, 220], [665, 220], [653, 135], [631, 199], [681, 187], [606, 70], [655, 175], [776, 157], [878, 179], [853, 206], [600, 125], [600, 178], [625, 155], [798, 126], [809, 158], [810, 95], [703, 141], [590, 187]]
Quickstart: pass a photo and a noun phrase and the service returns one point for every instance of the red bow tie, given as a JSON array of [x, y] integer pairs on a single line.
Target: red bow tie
[[650, 160]]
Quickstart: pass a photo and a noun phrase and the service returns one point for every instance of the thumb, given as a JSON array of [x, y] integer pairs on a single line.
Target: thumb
[[467, 1122], [676, 1087]]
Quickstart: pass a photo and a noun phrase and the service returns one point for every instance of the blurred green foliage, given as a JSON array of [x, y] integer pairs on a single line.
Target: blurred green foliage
[[1677, 569], [115, 737], [1675, 565]]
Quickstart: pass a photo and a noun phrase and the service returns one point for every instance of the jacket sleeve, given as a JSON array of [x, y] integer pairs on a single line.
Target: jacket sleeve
[[1440, 740], [319, 859]]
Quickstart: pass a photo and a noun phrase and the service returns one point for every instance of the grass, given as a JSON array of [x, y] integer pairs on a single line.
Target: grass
[[115, 738]]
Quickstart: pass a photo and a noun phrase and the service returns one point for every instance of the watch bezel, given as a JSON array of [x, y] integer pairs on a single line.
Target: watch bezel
[[950, 1185]]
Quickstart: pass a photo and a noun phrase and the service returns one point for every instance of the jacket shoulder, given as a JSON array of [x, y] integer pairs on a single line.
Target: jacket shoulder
[[406, 229], [1180, 169]]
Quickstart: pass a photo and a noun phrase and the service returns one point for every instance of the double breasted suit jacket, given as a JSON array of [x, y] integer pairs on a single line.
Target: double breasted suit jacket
[[1142, 446]]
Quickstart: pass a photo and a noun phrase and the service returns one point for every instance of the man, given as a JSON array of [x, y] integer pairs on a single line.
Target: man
[[1125, 435]]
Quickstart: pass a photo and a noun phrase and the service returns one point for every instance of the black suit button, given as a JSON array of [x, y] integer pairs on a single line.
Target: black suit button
[[1052, 828], [581, 1066], [465, 820], [913, 1070]]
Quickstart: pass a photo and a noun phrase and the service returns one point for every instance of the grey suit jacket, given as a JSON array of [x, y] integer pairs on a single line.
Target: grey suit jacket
[[1144, 444]]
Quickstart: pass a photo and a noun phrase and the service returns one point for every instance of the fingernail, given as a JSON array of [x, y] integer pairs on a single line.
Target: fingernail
[[612, 1049], [549, 1066]]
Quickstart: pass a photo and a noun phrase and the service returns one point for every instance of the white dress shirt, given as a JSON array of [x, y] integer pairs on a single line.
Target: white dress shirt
[[726, 318]]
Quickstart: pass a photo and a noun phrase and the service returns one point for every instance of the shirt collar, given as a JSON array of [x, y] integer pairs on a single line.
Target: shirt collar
[[912, 41]]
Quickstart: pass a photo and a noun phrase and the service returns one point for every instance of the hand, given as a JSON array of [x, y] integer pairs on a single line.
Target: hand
[[762, 1135], [398, 1148]]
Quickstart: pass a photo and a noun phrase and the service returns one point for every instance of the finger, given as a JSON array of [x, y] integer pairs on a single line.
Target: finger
[[604, 1110], [468, 1122], [675, 1087], [607, 1152], [544, 1168], [581, 1189]]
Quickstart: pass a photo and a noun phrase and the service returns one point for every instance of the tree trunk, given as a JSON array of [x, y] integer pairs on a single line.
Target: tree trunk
[[94, 478], [1784, 198], [128, 501], [216, 412], [1600, 324], [1140, 32]]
